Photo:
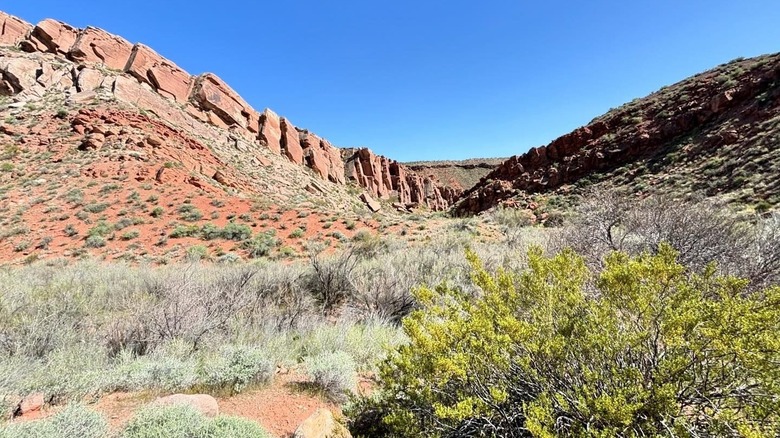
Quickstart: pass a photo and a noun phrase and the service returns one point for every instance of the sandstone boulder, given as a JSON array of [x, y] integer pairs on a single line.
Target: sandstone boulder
[[163, 75], [203, 403], [98, 46], [270, 131], [18, 74], [31, 403], [13, 30], [370, 202], [89, 79], [54, 36], [321, 424]]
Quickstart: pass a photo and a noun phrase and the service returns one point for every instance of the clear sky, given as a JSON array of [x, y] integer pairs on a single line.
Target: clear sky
[[424, 80]]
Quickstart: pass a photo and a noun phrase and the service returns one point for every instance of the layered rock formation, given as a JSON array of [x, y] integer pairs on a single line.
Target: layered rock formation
[[136, 74], [724, 116], [384, 178]]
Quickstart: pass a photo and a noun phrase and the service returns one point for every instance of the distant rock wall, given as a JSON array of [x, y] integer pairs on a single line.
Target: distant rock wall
[[101, 59], [383, 178]]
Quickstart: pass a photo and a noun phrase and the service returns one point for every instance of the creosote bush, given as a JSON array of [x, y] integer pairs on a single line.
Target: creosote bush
[[645, 347]]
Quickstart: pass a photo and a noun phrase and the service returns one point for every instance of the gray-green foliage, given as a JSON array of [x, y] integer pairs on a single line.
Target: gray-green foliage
[[182, 421], [334, 372], [73, 421], [234, 368]]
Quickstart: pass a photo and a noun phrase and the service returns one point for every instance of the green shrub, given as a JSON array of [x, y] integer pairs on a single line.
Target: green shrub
[[197, 252], [232, 427], [260, 245], [649, 349], [297, 233], [157, 212], [236, 367], [96, 207], [182, 421], [189, 213], [237, 232], [95, 241], [175, 421], [73, 421], [185, 231], [334, 372], [130, 235]]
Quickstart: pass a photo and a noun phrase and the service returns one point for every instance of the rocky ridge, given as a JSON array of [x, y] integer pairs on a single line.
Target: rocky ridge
[[714, 133], [90, 60]]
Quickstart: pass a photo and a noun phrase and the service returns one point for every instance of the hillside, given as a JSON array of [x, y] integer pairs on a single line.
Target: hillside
[[463, 173], [716, 134], [110, 149]]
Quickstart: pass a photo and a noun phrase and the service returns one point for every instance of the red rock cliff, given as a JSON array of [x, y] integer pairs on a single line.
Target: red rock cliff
[[206, 97]]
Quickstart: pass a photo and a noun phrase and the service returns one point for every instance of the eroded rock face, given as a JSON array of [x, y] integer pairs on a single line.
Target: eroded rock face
[[163, 75], [214, 95], [291, 143], [384, 178], [53, 36], [13, 30], [644, 129], [271, 131], [151, 82], [100, 47]]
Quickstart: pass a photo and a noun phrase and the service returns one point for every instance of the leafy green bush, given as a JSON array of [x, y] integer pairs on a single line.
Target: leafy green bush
[[334, 372], [647, 349], [73, 421]]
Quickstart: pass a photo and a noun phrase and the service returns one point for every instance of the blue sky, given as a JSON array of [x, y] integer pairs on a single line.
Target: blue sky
[[436, 79]]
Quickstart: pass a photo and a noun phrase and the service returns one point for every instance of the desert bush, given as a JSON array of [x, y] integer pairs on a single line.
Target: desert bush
[[232, 427], [261, 245], [702, 232], [171, 367], [234, 368], [73, 421], [334, 372], [648, 349], [175, 421], [182, 421], [330, 278]]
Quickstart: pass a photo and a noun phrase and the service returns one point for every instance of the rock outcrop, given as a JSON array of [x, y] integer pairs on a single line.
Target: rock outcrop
[[13, 30], [100, 47], [163, 75], [708, 113], [136, 74], [385, 178]]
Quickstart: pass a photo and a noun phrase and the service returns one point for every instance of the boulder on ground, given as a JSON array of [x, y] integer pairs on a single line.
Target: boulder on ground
[[321, 424], [372, 204], [203, 403]]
